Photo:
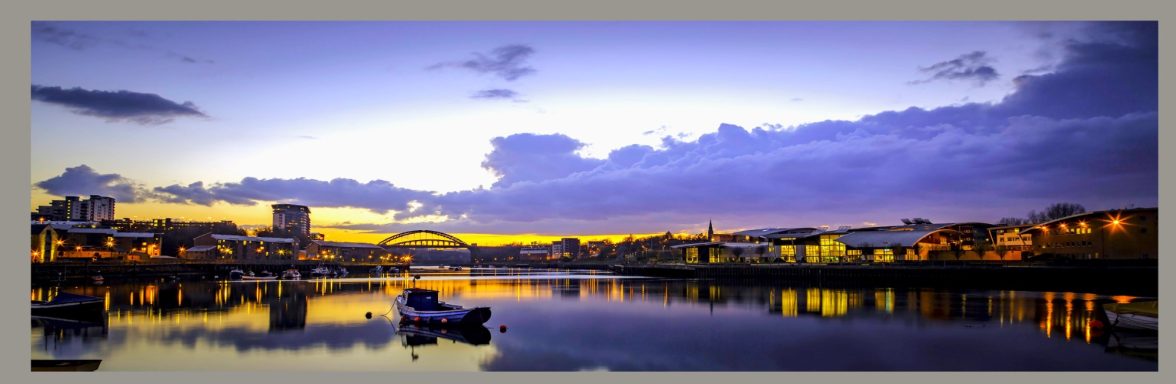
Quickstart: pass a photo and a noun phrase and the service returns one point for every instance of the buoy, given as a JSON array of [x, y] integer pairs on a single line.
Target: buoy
[[416, 318], [444, 320], [502, 328], [368, 315]]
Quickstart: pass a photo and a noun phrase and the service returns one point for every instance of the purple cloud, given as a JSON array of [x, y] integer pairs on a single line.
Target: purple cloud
[[507, 62], [194, 193], [141, 108], [377, 195], [83, 180], [972, 66], [535, 158], [54, 34], [497, 93]]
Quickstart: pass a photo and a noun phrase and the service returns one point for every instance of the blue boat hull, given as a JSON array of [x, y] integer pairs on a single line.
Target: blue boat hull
[[451, 315]]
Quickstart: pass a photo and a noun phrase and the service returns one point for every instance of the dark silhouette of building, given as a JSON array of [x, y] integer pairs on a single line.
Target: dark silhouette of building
[[292, 219]]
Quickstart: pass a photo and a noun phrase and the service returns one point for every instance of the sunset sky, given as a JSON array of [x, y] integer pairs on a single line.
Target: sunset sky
[[489, 130]]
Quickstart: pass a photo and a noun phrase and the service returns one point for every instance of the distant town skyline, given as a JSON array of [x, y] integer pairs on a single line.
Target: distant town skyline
[[520, 131]]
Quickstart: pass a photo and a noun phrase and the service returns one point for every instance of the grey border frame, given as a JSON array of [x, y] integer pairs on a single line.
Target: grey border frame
[[16, 154]]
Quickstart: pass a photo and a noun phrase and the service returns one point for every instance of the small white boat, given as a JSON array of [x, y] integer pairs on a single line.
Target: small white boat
[[291, 274], [342, 272], [265, 275], [320, 272], [421, 305], [377, 271], [1144, 315], [236, 274]]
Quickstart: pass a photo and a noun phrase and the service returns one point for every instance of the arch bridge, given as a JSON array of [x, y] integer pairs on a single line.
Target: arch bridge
[[423, 238]]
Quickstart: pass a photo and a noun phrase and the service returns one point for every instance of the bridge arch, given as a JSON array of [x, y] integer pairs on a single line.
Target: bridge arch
[[423, 238]]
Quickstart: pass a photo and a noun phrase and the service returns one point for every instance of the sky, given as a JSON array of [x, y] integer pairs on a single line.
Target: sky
[[509, 131]]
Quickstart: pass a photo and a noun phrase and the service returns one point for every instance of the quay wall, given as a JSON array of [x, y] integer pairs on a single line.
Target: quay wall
[[48, 272], [1125, 279]]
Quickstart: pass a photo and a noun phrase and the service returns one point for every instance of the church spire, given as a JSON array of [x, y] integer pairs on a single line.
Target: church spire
[[710, 230]]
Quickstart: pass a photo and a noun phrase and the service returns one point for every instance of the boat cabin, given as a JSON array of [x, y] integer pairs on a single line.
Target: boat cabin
[[422, 299]]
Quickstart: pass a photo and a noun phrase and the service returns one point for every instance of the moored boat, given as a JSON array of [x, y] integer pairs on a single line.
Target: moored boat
[[265, 275], [320, 272], [376, 271], [1144, 315], [421, 305], [291, 274], [236, 274], [70, 306]]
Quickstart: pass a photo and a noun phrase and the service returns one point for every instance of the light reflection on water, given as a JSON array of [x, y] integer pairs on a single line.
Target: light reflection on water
[[582, 320]]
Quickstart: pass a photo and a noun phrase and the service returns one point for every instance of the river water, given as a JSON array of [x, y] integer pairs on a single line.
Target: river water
[[585, 320]]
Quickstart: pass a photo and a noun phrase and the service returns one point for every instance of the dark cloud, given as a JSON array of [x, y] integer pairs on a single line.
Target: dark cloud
[[535, 158], [83, 181], [142, 108], [497, 93], [1110, 71], [55, 34], [194, 193], [971, 66], [377, 195], [507, 62]]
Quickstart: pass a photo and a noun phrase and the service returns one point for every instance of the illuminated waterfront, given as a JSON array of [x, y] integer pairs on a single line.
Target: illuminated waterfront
[[582, 320]]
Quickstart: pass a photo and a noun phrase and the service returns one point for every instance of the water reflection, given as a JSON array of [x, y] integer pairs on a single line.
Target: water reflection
[[575, 320]]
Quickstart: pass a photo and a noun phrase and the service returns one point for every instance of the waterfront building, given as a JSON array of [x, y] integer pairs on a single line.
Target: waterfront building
[[568, 248], [792, 245], [167, 225], [71, 208], [537, 252], [918, 242], [292, 219], [43, 244], [1111, 234], [106, 243], [1011, 239], [234, 247], [339, 251], [766, 245]]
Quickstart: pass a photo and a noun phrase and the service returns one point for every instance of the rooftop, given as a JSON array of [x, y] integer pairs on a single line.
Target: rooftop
[[877, 239], [202, 248], [339, 244], [252, 238]]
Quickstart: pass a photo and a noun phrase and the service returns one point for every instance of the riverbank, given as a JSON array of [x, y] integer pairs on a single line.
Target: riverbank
[[49, 272], [1116, 278]]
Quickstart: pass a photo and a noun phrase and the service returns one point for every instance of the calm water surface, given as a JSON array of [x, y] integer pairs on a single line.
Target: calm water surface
[[581, 320]]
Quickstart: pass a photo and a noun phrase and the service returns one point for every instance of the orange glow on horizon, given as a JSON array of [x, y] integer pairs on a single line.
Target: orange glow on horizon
[[261, 214]]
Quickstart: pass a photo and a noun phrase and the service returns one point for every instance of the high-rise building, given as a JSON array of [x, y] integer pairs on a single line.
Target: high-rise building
[[97, 208], [567, 247], [293, 219]]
